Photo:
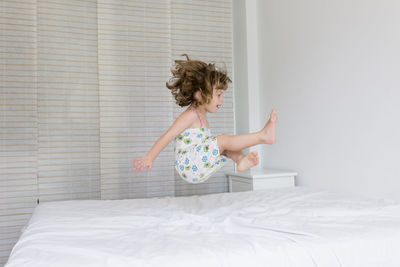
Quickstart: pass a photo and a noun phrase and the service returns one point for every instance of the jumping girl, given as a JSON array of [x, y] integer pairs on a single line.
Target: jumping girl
[[199, 154]]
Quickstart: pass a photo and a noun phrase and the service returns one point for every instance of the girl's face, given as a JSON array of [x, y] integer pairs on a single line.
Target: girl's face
[[216, 101]]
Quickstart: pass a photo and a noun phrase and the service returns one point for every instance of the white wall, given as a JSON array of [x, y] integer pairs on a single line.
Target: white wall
[[331, 69]]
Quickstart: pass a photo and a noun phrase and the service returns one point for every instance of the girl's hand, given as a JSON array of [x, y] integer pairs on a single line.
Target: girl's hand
[[142, 163]]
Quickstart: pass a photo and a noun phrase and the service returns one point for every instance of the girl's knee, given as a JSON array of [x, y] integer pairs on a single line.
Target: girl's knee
[[221, 139]]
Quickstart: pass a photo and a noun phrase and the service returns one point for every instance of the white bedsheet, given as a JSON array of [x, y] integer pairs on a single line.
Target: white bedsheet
[[285, 227]]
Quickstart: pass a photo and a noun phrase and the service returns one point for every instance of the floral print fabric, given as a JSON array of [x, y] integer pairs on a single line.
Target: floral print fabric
[[197, 155]]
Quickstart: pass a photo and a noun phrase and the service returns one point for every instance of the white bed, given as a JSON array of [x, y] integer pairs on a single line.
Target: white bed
[[285, 227]]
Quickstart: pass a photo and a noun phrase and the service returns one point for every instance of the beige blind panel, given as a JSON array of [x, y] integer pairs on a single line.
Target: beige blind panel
[[68, 101], [135, 106], [203, 29], [18, 127]]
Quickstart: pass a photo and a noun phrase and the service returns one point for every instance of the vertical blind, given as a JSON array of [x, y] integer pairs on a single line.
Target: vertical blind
[[135, 105], [67, 100], [83, 94], [18, 120]]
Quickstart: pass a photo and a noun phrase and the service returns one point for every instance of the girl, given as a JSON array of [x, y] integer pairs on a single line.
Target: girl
[[198, 154]]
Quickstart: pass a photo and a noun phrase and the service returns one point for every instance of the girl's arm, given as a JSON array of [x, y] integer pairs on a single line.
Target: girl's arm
[[181, 123]]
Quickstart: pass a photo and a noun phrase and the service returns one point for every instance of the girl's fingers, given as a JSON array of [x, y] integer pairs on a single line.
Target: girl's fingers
[[135, 162], [140, 165], [137, 165]]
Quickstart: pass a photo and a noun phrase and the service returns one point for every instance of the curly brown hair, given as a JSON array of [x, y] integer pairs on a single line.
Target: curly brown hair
[[190, 76]]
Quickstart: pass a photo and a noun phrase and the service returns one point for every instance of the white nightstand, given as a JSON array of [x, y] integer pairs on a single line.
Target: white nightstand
[[260, 179]]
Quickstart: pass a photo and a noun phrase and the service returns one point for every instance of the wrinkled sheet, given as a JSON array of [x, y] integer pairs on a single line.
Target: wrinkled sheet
[[283, 227]]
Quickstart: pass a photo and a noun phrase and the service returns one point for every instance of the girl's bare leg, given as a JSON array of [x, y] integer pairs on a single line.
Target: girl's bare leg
[[243, 161], [242, 141], [236, 156]]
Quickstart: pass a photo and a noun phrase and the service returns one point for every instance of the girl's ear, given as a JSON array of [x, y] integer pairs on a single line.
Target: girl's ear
[[197, 96]]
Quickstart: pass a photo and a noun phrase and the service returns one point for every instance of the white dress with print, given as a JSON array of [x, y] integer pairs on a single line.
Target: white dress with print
[[197, 155]]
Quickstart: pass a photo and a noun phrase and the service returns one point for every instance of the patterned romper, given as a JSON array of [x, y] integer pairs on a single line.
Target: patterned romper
[[197, 154]]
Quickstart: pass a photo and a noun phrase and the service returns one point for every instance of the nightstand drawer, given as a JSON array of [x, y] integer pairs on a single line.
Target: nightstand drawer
[[271, 183], [260, 179]]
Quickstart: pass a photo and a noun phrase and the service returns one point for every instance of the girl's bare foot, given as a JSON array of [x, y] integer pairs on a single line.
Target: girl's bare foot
[[268, 132], [248, 161]]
